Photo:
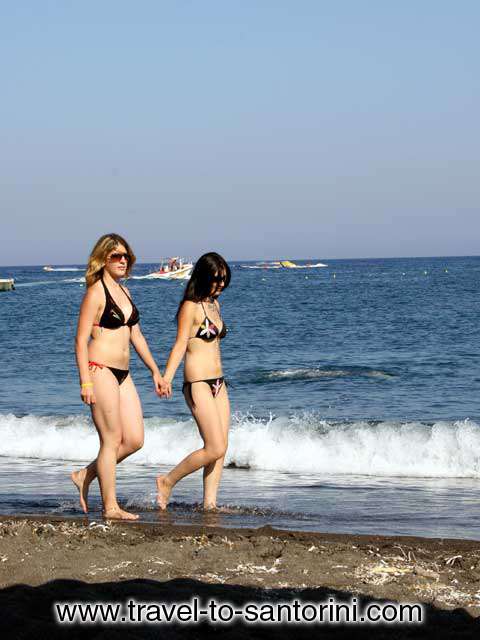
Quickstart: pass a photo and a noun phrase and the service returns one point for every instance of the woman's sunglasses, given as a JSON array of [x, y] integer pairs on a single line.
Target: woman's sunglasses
[[116, 257], [219, 279]]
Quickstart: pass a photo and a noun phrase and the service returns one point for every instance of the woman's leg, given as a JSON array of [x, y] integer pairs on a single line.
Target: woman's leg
[[211, 430], [131, 416], [131, 419], [107, 420], [212, 473]]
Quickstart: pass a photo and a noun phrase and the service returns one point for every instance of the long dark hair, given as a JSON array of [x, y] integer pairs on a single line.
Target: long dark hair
[[202, 278]]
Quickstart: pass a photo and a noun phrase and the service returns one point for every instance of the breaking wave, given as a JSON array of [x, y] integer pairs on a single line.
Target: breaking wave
[[299, 444]]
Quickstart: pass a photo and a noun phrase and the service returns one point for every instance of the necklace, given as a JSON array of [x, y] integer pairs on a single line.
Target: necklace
[[212, 306]]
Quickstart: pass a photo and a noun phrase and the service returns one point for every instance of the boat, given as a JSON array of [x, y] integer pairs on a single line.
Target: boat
[[288, 264], [283, 264], [175, 269], [48, 268], [7, 284]]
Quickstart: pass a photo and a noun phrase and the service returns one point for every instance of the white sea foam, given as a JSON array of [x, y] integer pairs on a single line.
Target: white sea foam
[[67, 269], [300, 444]]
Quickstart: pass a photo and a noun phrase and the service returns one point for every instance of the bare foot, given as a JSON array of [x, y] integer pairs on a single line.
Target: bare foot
[[225, 509], [78, 479], [164, 488], [210, 508], [119, 514]]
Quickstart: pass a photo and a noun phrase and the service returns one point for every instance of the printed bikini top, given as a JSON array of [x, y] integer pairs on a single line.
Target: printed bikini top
[[112, 316], [208, 330]]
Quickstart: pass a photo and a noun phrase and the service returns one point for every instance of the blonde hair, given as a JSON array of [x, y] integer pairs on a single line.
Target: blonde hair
[[98, 257]]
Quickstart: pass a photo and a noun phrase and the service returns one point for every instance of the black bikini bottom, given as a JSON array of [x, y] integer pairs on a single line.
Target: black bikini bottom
[[215, 385], [120, 374]]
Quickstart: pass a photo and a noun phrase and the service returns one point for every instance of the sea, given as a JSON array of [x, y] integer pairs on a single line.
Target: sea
[[355, 391]]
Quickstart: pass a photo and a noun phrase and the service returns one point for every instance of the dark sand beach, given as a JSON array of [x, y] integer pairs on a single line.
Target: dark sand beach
[[43, 560]]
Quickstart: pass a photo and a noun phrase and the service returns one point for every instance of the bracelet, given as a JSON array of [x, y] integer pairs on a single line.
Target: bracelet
[[86, 384]]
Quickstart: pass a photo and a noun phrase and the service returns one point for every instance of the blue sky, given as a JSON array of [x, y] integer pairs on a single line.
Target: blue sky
[[259, 129]]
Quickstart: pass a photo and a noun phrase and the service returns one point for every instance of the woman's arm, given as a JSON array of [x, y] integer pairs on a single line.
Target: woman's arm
[[141, 347], [186, 320], [88, 310]]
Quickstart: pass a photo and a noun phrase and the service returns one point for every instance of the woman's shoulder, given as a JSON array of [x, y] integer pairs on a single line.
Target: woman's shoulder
[[96, 286], [189, 306], [93, 296], [95, 290]]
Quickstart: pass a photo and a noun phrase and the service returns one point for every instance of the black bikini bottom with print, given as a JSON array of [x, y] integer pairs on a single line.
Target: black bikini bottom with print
[[215, 385]]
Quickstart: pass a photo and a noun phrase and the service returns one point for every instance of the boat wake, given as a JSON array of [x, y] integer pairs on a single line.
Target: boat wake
[[313, 373]]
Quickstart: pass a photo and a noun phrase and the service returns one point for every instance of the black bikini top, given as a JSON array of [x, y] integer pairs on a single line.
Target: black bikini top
[[208, 330], [112, 316]]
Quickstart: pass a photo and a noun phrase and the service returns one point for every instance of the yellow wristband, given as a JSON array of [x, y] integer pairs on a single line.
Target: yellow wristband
[[86, 384]]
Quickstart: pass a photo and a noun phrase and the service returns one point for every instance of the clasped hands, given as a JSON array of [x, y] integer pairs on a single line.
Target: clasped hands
[[163, 389]]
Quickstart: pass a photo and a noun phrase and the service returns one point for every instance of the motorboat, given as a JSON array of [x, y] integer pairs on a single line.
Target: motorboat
[[283, 264], [174, 269], [7, 284], [288, 264]]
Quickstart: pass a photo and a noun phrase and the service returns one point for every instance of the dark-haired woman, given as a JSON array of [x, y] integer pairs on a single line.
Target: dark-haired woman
[[107, 324], [200, 330]]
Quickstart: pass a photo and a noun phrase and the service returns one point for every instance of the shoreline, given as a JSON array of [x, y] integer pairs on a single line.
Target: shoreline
[[443, 573], [168, 528]]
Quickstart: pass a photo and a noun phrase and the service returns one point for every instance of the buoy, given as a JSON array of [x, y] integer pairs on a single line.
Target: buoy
[[334, 275]]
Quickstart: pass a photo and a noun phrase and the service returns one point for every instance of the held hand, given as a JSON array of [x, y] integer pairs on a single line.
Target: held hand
[[157, 384], [167, 389], [161, 387]]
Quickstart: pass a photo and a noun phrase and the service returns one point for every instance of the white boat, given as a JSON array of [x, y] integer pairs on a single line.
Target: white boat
[[175, 269], [7, 284], [48, 268], [288, 264], [283, 264]]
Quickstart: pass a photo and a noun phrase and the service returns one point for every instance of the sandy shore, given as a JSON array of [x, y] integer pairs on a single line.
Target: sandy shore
[[105, 561]]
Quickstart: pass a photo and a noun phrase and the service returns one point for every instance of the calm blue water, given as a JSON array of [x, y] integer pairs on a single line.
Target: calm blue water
[[355, 390]]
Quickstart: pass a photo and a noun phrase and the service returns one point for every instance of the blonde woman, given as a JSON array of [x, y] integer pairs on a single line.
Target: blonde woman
[[108, 322]]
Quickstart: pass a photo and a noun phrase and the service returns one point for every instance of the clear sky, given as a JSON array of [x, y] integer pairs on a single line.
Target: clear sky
[[257, 128]]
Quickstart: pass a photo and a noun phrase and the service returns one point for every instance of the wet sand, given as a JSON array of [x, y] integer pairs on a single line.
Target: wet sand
[[46, 559]]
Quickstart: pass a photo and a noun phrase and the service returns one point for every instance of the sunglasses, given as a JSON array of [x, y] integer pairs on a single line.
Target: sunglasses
[[116, 257], [219, 278]]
